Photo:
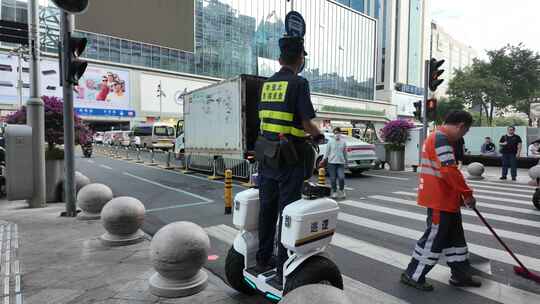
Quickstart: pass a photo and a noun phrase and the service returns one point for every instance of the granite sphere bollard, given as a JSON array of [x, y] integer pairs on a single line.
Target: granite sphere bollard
[[316, 294], [178, 251], [91, 199], [475, 171], [81, 180], [534, 173], [122, 219]]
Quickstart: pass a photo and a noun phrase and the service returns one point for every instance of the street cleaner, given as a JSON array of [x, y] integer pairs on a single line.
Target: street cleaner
[[443, 190], [286, 114]]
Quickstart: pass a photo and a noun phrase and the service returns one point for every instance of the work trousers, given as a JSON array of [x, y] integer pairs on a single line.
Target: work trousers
[[444, 236]]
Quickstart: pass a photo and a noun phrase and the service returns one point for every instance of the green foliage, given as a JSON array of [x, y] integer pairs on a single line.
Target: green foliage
[[510, 79], [499, 121], [445, 106]]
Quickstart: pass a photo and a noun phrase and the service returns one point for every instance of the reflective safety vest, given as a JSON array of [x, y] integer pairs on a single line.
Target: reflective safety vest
[[276, 109], [442, 186]]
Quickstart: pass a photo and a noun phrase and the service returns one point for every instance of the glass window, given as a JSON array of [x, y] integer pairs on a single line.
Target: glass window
[[358, 5], [147, 55], [136, 55], [114, 50], [103, 48], [126, 52], [415, 43], [156, 58]]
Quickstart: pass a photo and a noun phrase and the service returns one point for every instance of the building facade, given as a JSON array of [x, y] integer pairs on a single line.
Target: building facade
[[235, 37], [403, 47], [456, 55]]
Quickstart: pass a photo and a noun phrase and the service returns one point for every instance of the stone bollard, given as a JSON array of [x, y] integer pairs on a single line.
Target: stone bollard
[[475, 171], [91, 199], [534, 174], [316, 294], [81, 180], [178, 251], [122, 219]]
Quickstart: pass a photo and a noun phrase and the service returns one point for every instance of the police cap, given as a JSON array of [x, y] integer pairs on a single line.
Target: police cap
[[292, 46]]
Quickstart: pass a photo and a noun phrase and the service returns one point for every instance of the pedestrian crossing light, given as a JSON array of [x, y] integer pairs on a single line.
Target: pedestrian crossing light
[[418, 110], [76, 67], [435, 73], [431, 109]]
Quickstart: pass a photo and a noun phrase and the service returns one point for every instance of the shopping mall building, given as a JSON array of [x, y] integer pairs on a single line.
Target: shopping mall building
[[224, 38]]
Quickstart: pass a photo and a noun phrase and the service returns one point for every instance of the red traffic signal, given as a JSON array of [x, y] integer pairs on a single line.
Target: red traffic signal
[[431, 108], [435, 73]]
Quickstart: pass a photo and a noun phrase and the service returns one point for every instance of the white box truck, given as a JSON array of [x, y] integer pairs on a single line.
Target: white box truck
[[221, 124]]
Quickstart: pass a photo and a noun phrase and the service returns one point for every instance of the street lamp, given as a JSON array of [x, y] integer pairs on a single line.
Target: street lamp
[[160, 95]]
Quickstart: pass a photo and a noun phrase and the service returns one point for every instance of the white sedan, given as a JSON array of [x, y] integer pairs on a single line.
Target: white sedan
[[360, 155]]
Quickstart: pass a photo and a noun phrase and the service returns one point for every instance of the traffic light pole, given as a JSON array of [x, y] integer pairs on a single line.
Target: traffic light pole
[[35, 115], [423, 135], [66, 23]]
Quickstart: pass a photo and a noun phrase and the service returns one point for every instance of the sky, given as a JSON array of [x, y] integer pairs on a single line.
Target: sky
[[490, 24]]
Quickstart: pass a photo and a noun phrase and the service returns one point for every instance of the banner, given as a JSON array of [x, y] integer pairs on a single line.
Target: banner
[[100, 88]]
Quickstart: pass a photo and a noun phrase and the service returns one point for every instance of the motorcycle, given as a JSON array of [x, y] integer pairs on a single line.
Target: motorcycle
[[87, 150]]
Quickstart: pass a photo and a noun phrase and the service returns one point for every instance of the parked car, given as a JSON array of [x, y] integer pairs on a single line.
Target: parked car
[[154, 136], [98, 137], [360, 155]]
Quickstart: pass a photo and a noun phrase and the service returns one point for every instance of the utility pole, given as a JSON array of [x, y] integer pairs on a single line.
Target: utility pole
[[423, 134], [35, 116], [160, 94], [66, 22]]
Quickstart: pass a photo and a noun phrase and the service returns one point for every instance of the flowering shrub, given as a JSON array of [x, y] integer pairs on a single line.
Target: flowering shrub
[[396, 133], [54, 125]]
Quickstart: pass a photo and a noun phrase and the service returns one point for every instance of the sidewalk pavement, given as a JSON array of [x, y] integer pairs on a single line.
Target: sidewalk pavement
[[63, 261], [494, 173]]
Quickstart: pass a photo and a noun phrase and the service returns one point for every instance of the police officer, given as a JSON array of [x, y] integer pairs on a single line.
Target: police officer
[[286, 115]]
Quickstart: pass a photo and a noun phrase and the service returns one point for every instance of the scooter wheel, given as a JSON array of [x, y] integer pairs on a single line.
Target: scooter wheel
[[536, 198], [316, 270], [234, 271]]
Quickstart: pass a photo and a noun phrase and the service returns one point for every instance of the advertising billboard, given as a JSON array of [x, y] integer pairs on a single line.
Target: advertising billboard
[[172, 89], [167, 23], [101, 91]]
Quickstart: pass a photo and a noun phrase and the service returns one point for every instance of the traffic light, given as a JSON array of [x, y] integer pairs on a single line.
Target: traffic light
[[418, 110], [435, 73], [431, 109], [72, 6], [75, 66]]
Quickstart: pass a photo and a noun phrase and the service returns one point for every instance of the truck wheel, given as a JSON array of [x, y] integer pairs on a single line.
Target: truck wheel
[[536, 198], [316, 270], [234, 271]]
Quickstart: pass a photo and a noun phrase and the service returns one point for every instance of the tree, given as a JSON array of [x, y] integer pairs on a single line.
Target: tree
[[54, 125], [476, 85], [445, 106], [519, 70]]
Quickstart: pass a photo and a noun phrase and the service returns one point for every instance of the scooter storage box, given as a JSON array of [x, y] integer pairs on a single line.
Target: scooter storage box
[[309, 224], [246, 210]]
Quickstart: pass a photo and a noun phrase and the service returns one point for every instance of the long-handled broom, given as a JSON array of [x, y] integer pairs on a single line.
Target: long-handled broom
[[520, 270]]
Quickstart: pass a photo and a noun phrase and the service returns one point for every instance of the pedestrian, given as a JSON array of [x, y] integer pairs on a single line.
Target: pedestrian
[[335, 158], [284, 155], [442, 190], [488, 148], [534, 149], [510, 150]]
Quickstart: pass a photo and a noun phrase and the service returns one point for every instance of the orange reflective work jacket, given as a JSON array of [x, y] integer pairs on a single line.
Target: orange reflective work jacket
[[442, 186]]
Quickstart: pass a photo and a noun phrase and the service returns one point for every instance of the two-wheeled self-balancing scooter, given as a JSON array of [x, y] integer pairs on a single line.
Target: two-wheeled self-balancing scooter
[[308, 227]]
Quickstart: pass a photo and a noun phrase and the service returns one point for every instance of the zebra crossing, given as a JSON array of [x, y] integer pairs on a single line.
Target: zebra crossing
[[397, 221]]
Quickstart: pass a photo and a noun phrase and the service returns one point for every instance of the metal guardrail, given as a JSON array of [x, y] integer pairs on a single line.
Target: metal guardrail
[[240, 168]]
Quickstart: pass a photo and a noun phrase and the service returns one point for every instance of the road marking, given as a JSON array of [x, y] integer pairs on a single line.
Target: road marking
[[90, 161], [530, 192], [490, 289], [529, 196], [106, 167], [486, 252], [353, 288], [383, 176], [495, 217], [526, 238], [349, 189], [169, 188], [178, 206], [498, 198], [502, 184], [482, 204]]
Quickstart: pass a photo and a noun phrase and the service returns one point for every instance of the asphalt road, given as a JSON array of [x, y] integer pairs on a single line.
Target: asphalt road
[[379, 223]]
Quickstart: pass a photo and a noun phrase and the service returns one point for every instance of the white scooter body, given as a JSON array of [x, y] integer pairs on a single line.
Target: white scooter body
[[308, 227]]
